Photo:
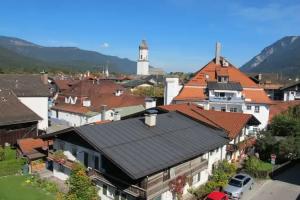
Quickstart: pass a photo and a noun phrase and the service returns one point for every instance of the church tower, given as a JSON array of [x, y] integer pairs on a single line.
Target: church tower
[[143, 62]]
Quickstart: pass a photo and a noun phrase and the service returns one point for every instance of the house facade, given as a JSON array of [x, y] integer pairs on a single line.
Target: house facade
[[291, 92], [221, 86], [140, 158]]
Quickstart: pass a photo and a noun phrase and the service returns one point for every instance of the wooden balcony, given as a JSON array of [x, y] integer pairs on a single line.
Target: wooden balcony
[[248, 142], [157, 185], [119, 184]]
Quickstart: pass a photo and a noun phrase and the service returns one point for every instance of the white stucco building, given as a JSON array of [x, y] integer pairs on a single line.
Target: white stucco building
[[221, 86], [143, 60], [122, 152], [291, 92]]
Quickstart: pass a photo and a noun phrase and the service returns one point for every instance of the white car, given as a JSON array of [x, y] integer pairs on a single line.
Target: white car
[[238, 185]]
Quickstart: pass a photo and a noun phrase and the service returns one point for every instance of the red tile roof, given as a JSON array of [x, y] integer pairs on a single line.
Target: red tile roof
[[28, 145], [64, 84], [209, 73], [195, 88], [233, 123], [99, 93], [281, 106], [191, 92], [256, 96]]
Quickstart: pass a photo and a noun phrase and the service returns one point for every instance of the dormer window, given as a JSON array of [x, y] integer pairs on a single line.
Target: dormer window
[[118, 92], [223, 79]]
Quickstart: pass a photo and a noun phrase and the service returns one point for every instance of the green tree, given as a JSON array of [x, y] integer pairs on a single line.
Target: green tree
[[81, 186], [283, 137], [153, 91], [284, 125]]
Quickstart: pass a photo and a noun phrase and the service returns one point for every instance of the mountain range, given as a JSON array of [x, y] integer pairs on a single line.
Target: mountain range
[[283, 57], [16, 53]]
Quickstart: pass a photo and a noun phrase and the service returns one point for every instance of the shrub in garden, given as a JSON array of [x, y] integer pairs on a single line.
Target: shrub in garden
[[2, 153], [42, 183], [81, 186], [218, 179], [11, 167], [258, 168]]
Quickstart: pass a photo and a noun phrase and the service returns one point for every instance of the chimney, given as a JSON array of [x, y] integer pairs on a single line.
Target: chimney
[[44, 77], [117, 116], [218, 53], [150, 118], [103, 112], [86, 103], [150, 103]]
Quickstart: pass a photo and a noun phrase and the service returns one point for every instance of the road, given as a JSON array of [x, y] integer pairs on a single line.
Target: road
[[285, 186]]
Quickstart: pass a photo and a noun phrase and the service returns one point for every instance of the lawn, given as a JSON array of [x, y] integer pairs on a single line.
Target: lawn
[[10, 165], [16, 188]]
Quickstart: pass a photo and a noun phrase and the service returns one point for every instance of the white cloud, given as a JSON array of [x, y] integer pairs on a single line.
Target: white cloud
[[104, 45]]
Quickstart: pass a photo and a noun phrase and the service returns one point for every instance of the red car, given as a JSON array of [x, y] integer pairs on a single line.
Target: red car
[[217, 196]]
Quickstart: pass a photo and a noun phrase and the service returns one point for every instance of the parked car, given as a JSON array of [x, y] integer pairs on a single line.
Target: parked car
[[238, 185], [217, 196]]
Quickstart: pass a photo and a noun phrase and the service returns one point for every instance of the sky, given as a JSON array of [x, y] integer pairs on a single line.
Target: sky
[[181, 34]]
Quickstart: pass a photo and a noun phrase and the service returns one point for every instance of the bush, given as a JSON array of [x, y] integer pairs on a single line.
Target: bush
[[218, 180], [258, 168], [81, 186], [43, 184], [223, 172], [2, 154]]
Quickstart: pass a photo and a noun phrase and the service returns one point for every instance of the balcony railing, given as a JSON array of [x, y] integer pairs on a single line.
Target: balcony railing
[[106, 178], [66, 163], [227, 99], [126, 187], [248, 142]]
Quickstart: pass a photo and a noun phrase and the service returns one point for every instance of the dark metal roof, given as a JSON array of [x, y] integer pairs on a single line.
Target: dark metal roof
[[135, 83], [12, 111], [140, 150], [293, 86], [224, 86], [24, 85], [155, 78]]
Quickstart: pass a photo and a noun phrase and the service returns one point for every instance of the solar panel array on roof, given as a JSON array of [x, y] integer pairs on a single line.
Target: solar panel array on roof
[[141, 150]]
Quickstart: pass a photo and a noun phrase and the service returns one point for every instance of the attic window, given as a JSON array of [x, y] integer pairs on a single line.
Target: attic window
[[222, 79]]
